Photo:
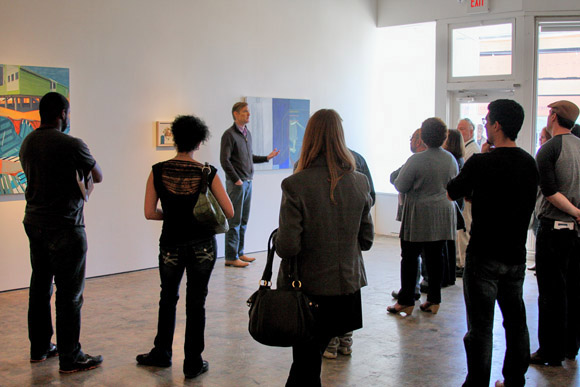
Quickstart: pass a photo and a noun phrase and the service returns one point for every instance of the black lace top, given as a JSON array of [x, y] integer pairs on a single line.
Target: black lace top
[[177, 185]]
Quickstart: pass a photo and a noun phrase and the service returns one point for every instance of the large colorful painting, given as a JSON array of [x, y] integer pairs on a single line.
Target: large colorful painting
[[21, 88], [278, 123]]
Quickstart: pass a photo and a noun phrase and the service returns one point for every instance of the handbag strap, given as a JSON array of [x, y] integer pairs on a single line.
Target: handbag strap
[[267, 275], [205, 170]]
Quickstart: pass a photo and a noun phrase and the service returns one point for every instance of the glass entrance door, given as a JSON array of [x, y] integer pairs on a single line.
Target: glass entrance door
[[473, 105]]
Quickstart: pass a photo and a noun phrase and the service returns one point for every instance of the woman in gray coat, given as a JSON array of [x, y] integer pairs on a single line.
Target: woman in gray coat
[[428, 218], [325, 222]]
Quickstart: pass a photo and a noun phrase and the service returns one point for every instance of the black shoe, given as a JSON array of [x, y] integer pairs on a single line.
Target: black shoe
[[148, 359], [538, 359], [395, 295], [84, 363], [193, 374], [459, 272], [51, 352]]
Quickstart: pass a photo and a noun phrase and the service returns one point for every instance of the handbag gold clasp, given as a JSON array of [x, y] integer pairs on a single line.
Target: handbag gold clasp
[[265, 283], [294, 283]]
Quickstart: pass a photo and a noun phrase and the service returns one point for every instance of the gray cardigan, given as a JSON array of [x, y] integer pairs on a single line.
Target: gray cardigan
[[236, 155], [428, 215], [326, 238]]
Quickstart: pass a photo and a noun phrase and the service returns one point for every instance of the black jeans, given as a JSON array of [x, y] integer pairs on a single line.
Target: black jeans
[[335, 316], [450, 263], [484, 282], [558, 274], [433, 256], [307, 362], [197, 259], [58, 254]]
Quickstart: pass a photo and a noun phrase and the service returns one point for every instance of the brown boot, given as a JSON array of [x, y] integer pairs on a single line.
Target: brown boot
[[245, 258], [236, 263]]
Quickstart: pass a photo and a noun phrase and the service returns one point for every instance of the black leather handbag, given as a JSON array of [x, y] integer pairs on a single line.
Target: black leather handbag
[[280, 318], [207, 210]]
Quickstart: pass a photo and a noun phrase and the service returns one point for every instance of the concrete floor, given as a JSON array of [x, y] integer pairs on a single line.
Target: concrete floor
[[119, 322]]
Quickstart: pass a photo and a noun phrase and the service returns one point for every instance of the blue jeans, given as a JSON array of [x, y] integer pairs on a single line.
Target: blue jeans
[[241, 196], [558, 274], [484, 282], [197, 259], [58, 254]]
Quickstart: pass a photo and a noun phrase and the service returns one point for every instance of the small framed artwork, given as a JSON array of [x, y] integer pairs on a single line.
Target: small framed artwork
[[164, 135]]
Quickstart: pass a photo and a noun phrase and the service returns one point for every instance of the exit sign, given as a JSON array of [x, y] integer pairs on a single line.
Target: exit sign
[[477, 6]]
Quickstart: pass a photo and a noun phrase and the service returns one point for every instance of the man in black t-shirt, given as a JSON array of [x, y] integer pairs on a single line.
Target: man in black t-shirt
[[502, 186], [52, 162]]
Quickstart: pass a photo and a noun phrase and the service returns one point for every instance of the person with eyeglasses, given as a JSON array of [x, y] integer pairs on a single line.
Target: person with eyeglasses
[[502, 186]]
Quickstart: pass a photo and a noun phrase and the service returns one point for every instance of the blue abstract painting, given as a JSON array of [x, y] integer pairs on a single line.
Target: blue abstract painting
[[278, 123]]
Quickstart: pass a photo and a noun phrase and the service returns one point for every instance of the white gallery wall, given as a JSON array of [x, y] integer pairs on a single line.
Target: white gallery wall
[[133, 62]]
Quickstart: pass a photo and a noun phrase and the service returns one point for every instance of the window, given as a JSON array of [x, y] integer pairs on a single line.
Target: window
[[482, 50], [558, 67]]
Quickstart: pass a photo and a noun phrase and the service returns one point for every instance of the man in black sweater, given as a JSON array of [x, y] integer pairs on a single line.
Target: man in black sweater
[[237, 160], [502, 187]]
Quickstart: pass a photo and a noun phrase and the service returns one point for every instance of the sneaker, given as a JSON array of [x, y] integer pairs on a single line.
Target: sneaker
[[330, 353], [148, 359], [51, 352], [193, 374], [345, 350], [83, 363]]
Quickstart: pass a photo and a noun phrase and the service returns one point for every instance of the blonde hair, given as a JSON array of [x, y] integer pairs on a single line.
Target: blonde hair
[[324, 136]]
